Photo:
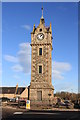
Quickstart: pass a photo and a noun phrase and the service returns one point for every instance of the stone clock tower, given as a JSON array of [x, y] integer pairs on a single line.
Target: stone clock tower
[[41, 89]]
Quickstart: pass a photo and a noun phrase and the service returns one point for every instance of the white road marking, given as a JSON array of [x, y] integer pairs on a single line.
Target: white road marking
[[18, 113], [40, 113]]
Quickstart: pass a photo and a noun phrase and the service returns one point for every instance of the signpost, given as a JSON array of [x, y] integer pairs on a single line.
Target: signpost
[[28, 104]]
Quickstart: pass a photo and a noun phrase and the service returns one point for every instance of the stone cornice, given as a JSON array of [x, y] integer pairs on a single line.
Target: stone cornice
[[36, 44]]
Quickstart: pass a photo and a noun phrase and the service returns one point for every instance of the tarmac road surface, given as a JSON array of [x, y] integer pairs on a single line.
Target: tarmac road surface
[[22, 114]]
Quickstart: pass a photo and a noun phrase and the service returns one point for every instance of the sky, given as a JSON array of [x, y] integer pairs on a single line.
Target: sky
[[40, 1], [17, 24]]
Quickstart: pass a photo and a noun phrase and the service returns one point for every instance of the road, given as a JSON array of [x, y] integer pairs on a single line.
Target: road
[[22, 114]]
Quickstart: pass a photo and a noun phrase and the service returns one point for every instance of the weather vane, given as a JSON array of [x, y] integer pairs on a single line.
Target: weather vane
[[42, 11]]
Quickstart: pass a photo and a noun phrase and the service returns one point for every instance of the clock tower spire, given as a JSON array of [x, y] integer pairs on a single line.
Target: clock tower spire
[[42, 18], [42, 12]]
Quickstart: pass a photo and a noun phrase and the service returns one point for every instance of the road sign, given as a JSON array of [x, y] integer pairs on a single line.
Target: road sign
[[28, 104]]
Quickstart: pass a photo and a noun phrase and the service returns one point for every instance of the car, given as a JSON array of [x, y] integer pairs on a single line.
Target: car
[[77, 105], [5, 99], [12, 100], [64, 104], [21, 103], [68, 104], [60, 104]]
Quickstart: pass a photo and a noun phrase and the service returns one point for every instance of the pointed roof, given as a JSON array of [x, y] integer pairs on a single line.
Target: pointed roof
[[42, 18]]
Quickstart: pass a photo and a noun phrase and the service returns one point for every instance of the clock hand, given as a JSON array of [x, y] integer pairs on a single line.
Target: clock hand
[[40, 35]]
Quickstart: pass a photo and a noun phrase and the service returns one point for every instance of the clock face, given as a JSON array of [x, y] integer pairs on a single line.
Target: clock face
[[40, 36]]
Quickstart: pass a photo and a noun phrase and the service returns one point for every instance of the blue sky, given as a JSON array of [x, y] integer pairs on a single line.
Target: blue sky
[[17, 24]]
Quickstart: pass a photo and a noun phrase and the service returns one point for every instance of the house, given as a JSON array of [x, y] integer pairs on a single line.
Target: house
[[10, 92]]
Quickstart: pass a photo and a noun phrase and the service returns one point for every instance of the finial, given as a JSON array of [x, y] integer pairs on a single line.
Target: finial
[[50, 27], [33, 27], [42, 12]]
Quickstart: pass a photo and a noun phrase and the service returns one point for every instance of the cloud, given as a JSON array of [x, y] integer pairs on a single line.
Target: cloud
[[23, 62], [10, 58], [16, 77], [27, 27], [57, 75], [59, 68], [64, 87], [62, 66], [17, 68], [23, 58]]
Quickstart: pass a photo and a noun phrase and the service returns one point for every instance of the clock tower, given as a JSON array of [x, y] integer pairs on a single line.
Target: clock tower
[[41, 89]]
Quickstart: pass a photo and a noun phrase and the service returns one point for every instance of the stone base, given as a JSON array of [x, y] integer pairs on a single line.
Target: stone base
[[41, 96]]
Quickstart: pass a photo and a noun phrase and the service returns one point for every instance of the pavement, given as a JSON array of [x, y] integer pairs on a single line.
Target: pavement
[[9, 113]]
